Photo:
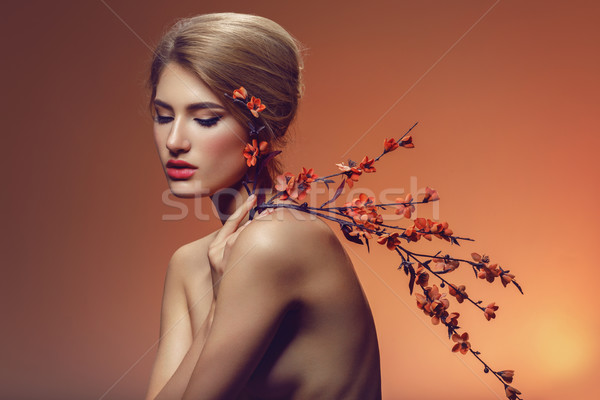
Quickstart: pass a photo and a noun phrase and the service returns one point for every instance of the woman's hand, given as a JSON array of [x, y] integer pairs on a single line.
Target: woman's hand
[[219, 248]]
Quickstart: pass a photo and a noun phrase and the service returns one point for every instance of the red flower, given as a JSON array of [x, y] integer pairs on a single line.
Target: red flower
[[240, 93], [452, 319], [438, 229], [507, 375], [487, 271], [287, 183], [352, 173], [366, 165], [459, 292], [406, 208], [462, 343], [506, 278], [433, 303], [307, 176], [390, 240], [363, 212], [446, 264], [406, 141], [430, 195], [489, 312], [422, 276], [303, 182], [390, 145], [511, 392], [412, 234], [253, 150], [255, 106], [480, 258]]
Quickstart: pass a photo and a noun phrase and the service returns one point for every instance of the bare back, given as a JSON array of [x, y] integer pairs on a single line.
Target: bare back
[[324, 348]]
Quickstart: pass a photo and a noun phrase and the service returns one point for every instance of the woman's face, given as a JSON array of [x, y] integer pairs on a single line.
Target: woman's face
[[193, 127]]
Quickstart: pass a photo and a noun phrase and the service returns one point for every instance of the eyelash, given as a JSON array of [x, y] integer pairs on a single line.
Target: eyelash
[[209, 121], [202, 122]]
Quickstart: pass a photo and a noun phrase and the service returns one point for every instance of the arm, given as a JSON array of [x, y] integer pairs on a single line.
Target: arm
[[256, 291], [175, 327]]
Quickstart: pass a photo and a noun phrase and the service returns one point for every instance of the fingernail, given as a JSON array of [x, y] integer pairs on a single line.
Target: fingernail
[[251, 197]]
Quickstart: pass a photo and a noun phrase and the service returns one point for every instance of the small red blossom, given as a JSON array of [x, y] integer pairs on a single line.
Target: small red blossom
[[506, 278], [427, 227], [287, 183], [240, 93], [430, 195], [390, 144], [422, 276], [490, 311], [406, 141], [452, 319], [511, 392], [433, 303], [252, 151], [255, 106], [446, 264], [363, 212], [507, 375], [489, 272], [303, 182], [440, 229], [406, 208], [458, 292], [343, 167], [462, 343], [352, 173], [391, 241], [308, 175], [412, 234], [366, 165]]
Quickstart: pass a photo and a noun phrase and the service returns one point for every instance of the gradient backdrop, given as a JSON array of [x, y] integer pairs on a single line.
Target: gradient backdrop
[[506, 95]]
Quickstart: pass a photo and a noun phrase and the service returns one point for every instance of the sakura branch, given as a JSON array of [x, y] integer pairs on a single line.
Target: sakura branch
[[360, 221]]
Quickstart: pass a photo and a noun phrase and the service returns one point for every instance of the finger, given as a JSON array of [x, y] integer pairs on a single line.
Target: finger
[[234, 220], [264, 213]]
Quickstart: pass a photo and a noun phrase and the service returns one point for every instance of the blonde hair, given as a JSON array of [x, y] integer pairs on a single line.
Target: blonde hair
[[229, 50]]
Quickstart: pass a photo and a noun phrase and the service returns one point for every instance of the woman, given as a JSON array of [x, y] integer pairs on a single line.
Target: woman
[[264, 309]]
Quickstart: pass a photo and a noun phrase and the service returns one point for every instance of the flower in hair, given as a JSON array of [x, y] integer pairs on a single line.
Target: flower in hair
[[255, 106], [252, 151], [240, 93]]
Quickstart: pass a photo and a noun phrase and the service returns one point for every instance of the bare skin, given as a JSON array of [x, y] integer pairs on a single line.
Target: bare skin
[[316, 338], [270, 309]]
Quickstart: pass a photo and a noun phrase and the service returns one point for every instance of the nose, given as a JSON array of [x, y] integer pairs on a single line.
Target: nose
[[177, 140]]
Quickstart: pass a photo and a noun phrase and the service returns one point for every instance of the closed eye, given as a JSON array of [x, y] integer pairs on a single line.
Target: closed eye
[[162, 120], [208, 121]]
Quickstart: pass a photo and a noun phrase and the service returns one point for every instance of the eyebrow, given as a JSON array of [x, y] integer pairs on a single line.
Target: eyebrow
[[190, 107]]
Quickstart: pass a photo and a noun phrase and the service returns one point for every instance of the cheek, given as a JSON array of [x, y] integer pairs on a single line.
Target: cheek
[[226, 151], [160, 138]]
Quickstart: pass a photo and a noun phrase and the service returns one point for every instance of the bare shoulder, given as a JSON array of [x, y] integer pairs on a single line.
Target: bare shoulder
[[188, 257], [291, 239], [286, 229]]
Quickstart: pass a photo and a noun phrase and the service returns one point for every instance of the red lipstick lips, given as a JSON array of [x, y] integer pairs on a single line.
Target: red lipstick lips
[[179, 169]]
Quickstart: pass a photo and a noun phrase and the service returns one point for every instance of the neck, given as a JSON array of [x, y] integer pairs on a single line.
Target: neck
[[227, 201]]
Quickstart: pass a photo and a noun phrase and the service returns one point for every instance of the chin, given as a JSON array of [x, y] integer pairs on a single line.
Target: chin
[[187, 190]]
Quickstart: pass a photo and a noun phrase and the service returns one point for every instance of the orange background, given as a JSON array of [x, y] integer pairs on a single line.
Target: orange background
[[506, 95]]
